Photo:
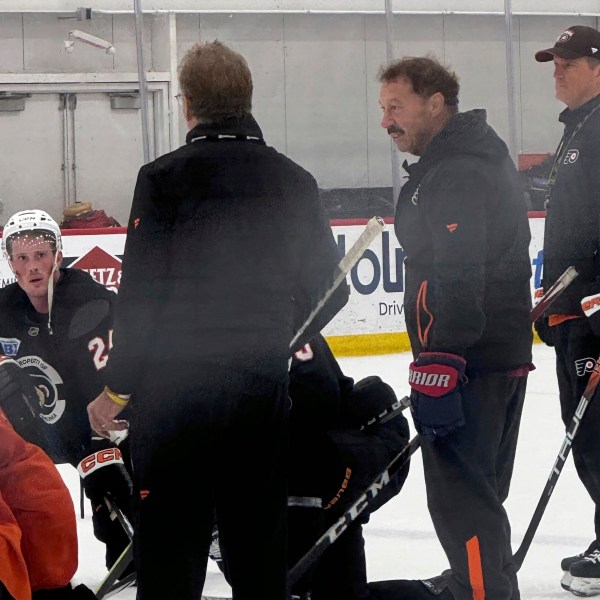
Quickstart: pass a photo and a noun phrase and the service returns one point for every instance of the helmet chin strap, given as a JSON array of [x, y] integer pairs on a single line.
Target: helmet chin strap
[[51, 292]]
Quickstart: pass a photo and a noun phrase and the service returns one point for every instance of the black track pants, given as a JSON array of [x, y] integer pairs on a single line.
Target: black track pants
[[467, 476], [215, 448], [576, 349]]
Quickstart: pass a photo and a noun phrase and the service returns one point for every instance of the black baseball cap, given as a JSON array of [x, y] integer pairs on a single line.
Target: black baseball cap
[[577, 41]]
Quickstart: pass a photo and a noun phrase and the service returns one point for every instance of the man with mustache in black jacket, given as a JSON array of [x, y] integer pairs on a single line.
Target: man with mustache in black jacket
[[461, 220]]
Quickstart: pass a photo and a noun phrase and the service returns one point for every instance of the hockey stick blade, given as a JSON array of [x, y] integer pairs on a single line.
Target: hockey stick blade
[[372, 230], [586, 398], [355, 509], [553, 293], [120, 585], [109, 584]]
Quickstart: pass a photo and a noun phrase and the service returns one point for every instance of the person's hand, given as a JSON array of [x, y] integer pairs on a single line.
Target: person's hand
[[542, 328], [436, 402], [104, 475], [103, 412]]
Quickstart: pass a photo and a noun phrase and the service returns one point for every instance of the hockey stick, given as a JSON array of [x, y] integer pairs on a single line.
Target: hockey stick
[[110, 585], [586, 398], [401, 459], [553, 293], [372, 230], [388, 414], [350, 515]]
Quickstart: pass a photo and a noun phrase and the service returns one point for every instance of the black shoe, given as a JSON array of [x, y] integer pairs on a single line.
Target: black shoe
[[567, 580], [585, 575], [4, 595], [565, 563], [81, 592], [407, 589]]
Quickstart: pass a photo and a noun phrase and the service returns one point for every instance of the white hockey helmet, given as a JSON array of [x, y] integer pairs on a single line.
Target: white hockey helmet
[[31, 220]]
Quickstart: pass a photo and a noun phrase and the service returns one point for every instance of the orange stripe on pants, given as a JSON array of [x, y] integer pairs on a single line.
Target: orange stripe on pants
[[475, 570]]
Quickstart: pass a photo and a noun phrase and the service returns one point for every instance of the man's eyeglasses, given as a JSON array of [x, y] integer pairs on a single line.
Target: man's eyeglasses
[[179, 97]]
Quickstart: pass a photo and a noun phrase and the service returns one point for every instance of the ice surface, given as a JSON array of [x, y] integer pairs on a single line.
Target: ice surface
[[401, 542]]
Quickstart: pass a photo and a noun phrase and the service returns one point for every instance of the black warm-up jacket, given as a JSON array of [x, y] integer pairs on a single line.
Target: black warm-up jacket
[[572, 232], [462, 221], [227, 251]]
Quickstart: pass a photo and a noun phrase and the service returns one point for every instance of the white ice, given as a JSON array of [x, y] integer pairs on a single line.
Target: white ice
[[401, 542]]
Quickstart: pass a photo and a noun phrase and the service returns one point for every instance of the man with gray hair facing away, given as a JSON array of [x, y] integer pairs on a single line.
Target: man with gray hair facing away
[[227, 253]]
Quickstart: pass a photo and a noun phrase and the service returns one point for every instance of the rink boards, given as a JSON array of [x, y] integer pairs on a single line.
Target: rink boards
[[371, 323]]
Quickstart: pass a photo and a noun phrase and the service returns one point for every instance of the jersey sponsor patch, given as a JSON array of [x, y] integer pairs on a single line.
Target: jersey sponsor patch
[[10, 346], [48, 384]]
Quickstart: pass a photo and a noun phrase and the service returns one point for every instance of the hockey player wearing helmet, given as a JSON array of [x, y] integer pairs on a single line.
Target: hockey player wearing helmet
[[55, 334], [32, 243]]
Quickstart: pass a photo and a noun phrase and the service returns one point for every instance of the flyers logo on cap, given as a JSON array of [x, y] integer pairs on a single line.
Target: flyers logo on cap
[[564, 37]]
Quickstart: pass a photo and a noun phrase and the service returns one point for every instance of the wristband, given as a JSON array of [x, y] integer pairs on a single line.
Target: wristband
[[120, 399]]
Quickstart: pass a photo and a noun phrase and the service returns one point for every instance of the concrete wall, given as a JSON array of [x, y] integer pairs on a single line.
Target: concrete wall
[[315, 88]]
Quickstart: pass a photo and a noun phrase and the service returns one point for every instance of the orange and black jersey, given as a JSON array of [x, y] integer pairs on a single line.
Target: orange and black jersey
[[462, 222]]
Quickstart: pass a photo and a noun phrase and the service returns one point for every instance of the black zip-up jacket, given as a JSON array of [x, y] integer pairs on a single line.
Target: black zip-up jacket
[[572, 231], [227, 251], [462, 221], [66, 366]]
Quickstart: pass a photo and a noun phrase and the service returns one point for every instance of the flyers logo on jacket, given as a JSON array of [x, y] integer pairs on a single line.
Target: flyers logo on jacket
[[102, 266]]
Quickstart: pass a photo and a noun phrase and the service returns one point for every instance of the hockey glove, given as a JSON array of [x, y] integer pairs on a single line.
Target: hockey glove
[[20, 401], [367, 399], [591, 309], [104, 474], [436, 403]]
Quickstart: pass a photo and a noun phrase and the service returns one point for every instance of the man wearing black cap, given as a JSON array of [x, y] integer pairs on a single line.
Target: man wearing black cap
[[572, 238]]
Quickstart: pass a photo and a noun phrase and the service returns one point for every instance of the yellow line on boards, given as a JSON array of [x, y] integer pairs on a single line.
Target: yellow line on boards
[[368, 344], [374, 343]]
